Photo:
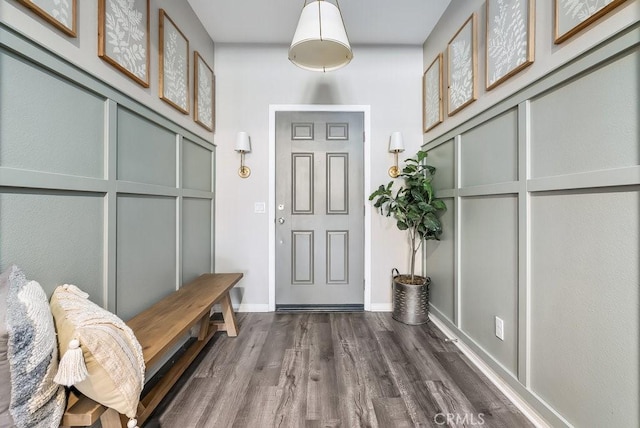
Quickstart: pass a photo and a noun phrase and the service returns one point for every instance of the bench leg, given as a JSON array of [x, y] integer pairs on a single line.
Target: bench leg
[[204, 327], [111, 419], [229, 316]]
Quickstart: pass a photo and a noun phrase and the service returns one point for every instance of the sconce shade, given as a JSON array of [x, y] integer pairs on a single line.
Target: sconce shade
[[243, 143], [320, 42], [396, 143]]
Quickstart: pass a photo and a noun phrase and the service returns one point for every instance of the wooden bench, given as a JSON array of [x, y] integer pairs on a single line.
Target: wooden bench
[[158, 329]]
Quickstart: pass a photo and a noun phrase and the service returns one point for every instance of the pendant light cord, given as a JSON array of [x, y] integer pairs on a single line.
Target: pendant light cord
[[320, 18], [341, 18]]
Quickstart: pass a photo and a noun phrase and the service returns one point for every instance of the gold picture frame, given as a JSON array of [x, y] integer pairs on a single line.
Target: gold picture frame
[[462, 66], [509, 37], [432, 109], [123, 37], [173, 58], [203, 93], [566, 26], [57, 17]]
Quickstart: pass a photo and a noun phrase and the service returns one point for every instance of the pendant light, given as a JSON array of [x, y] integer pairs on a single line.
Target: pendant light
[[320, 42]]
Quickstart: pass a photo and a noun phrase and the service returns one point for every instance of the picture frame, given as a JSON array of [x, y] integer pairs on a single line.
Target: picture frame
[[572, 16], [432, 111], [173, 57], [203, 93], [462, 66], [510, 43], [123, 37], [62, 16]]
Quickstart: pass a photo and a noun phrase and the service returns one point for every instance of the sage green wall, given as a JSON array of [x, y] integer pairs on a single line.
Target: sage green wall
[[55, 236], [133, 179], [50, 142], [545, 231], [96, 189], [82, 50], [548, 56], [584, 304]]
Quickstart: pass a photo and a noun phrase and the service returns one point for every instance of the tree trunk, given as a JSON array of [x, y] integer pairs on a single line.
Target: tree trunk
[[413, 257]]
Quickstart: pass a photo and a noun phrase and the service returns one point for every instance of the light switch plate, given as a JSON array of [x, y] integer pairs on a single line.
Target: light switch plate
[[259, 207]]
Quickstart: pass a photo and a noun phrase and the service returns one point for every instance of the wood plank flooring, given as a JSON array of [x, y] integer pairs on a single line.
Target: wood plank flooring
[[333, 370]]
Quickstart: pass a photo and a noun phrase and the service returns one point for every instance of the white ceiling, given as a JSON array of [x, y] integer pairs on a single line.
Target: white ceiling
[[274, 21]]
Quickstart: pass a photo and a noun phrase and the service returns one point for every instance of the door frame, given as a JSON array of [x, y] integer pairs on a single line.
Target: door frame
[[366, 110]]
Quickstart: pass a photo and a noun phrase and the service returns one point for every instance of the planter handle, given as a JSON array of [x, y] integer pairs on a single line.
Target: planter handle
[[396, 274]]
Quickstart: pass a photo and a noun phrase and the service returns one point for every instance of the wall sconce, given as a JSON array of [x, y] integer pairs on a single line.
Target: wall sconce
[[396, 145], [243, 145]]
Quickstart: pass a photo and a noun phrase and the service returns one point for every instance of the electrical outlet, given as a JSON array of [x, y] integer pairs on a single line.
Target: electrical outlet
[[499, 328]]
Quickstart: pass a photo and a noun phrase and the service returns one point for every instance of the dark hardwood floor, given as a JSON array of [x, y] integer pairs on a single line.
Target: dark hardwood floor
[[333, 370]]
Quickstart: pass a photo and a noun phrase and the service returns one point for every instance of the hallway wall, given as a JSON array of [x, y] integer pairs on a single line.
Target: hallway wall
[[249, 78], [102, 184], [541, 178], [82, 51]]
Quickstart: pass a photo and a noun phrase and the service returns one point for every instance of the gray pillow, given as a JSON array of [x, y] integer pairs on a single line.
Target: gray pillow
[[5, 375], [36, 401]]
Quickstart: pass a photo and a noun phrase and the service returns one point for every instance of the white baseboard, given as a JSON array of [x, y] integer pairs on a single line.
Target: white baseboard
[[505, 388], [251, 307], [381, 307]]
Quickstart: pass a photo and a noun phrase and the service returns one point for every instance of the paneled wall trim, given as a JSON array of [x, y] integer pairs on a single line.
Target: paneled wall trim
[[95, 188], [543, 231]]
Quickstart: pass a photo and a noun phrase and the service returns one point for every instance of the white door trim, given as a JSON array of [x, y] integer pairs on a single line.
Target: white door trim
[[366, 110]]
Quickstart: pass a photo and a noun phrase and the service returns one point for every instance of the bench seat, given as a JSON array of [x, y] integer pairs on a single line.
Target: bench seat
[[158, 329]]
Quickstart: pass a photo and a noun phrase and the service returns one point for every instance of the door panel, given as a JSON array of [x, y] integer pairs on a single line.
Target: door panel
[[303, 195], [319, 208], [337, 183], [337, 256], [302, 257]]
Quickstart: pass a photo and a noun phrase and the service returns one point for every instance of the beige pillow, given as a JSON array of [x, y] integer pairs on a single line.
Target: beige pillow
[[112, 354]]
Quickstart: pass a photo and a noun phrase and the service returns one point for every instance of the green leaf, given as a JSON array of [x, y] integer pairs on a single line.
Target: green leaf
[[426, 207], [409, 169], [417, 194], [432, 222], [429, 189], [439, 205]]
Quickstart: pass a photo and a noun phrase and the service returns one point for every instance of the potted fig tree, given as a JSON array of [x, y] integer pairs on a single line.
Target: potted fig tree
[[416, 210]]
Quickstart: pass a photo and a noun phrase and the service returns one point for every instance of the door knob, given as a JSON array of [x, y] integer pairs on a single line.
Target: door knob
[[281, 220]]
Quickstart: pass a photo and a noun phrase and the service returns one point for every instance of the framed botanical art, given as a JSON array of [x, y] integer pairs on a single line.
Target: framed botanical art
[[123, 37], [174, 64], [59, 13], [203, 93], [432, 94], [462, 62], [572, 16], [509, 39]]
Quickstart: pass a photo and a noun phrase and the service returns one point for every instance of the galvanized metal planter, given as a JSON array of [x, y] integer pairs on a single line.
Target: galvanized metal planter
[[410, 301]]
